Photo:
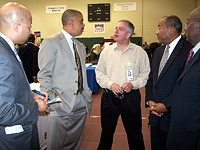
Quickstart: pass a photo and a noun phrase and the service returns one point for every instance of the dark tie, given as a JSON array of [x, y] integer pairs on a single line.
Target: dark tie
[[189, 57], [164, 59], [78, 63]]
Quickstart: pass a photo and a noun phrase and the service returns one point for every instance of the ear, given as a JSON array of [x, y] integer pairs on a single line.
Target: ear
[[17, 27], [128, 35], [70, 23]]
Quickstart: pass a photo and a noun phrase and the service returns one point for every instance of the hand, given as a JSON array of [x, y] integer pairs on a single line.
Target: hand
[[158, 109], [127, 87], [116, 89], [42, 106], [37, 96]]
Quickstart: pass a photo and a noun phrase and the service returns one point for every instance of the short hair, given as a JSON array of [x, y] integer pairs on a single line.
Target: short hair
[[174, 21], [31, 38], [69, 14], [130, 27]]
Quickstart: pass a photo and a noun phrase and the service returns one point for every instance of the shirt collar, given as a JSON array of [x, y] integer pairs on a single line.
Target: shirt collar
[[196, 48], [10, 43], [117, 48], [173, 44], [66, 34]]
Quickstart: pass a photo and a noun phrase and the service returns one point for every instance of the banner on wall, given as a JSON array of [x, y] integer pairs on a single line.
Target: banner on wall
[[130, 6], [37, 38], [99, 27], [55, 9]]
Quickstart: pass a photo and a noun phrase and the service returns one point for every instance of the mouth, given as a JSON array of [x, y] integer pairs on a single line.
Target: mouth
[[116, 35]]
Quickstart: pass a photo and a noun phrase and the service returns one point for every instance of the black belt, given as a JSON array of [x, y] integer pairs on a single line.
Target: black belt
[[119, 95]]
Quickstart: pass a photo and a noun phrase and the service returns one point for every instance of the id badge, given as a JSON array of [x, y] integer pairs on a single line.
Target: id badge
[[129, 74]]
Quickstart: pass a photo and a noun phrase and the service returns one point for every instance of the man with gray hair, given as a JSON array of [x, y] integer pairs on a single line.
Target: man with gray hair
[[122, 69], [184, 132], [63, 74]]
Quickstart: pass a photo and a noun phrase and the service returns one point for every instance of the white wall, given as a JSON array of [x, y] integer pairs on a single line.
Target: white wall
[[145, 18]]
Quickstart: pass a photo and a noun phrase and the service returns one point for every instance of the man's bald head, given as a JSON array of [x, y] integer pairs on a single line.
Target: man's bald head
[[13, 15]]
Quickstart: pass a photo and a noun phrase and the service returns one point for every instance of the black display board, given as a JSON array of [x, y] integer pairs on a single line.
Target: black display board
[[99, 12]]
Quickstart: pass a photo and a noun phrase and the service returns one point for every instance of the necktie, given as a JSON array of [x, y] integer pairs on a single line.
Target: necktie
[[164, 59], [189, 57], [18, 58], [78, 63]]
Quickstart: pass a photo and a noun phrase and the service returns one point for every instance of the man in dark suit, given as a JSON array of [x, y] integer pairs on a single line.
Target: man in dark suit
[[162, 77], [184, 132], [29, 56], [18, 106]]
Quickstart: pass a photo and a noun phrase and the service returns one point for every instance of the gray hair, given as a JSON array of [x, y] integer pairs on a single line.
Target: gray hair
[[69, 14], [130, 27]]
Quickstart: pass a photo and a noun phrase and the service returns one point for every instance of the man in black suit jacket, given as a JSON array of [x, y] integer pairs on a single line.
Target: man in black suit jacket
[[160, 86], [18, 106], [29, 56], [184, 133]]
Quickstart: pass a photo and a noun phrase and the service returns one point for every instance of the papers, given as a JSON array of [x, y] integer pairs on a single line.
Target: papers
[[94, 66], [14, 129], [54, 100], [88, 64]]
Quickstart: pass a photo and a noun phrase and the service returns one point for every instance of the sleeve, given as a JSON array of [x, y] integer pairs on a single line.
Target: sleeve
[[46, 62], [16, 109], [101, 75], [144, 69]]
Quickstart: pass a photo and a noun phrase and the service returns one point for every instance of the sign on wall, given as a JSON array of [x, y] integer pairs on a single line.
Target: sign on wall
[[99, 27], [55, 9], [130, 6]]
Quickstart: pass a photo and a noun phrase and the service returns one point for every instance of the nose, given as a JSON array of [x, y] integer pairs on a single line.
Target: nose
[[157, 32]]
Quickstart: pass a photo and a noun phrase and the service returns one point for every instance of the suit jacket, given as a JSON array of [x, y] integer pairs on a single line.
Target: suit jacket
[[159, 89], [58, 73], [186, 106], [16, 103], [29, 56]]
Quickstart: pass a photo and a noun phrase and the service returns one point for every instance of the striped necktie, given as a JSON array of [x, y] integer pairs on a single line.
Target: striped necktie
[[164, 59], [17, 56], [189, 57], [78, 63]]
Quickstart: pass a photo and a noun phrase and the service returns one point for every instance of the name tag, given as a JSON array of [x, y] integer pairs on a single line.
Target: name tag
[[129, 74], [14, 129]]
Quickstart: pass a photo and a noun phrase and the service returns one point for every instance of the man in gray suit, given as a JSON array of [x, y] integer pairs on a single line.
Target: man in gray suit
[[60, 75], [18, 105]]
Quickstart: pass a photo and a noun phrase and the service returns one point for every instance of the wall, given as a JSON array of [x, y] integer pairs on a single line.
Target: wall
[[145, 18]]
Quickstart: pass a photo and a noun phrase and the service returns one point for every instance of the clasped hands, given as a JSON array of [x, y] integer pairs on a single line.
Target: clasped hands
[[157, 108], [126, 87]]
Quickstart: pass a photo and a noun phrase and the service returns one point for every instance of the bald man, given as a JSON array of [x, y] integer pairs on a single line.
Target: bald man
[[184, 132], [18, 105]]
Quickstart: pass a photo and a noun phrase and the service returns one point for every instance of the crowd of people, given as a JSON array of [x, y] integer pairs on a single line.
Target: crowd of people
[[169, 70]]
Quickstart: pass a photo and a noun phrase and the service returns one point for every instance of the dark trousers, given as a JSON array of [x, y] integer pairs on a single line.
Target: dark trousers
[[130, 111], [158, 139]]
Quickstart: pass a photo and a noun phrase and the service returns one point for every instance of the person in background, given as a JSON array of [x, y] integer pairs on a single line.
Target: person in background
[[122, 69], [96, 50], [63, 74], [19, 106], [28, 53], [167, 65], [184, 132]]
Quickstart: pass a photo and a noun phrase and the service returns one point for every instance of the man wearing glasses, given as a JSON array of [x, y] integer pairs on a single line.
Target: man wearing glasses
[[122, 69]]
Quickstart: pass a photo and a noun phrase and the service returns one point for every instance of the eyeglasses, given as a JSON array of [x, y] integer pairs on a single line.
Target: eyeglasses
[[120, 96]]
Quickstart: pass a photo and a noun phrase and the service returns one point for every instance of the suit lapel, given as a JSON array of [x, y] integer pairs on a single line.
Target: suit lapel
[[191, 62], [174, 54], [67, 48]]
